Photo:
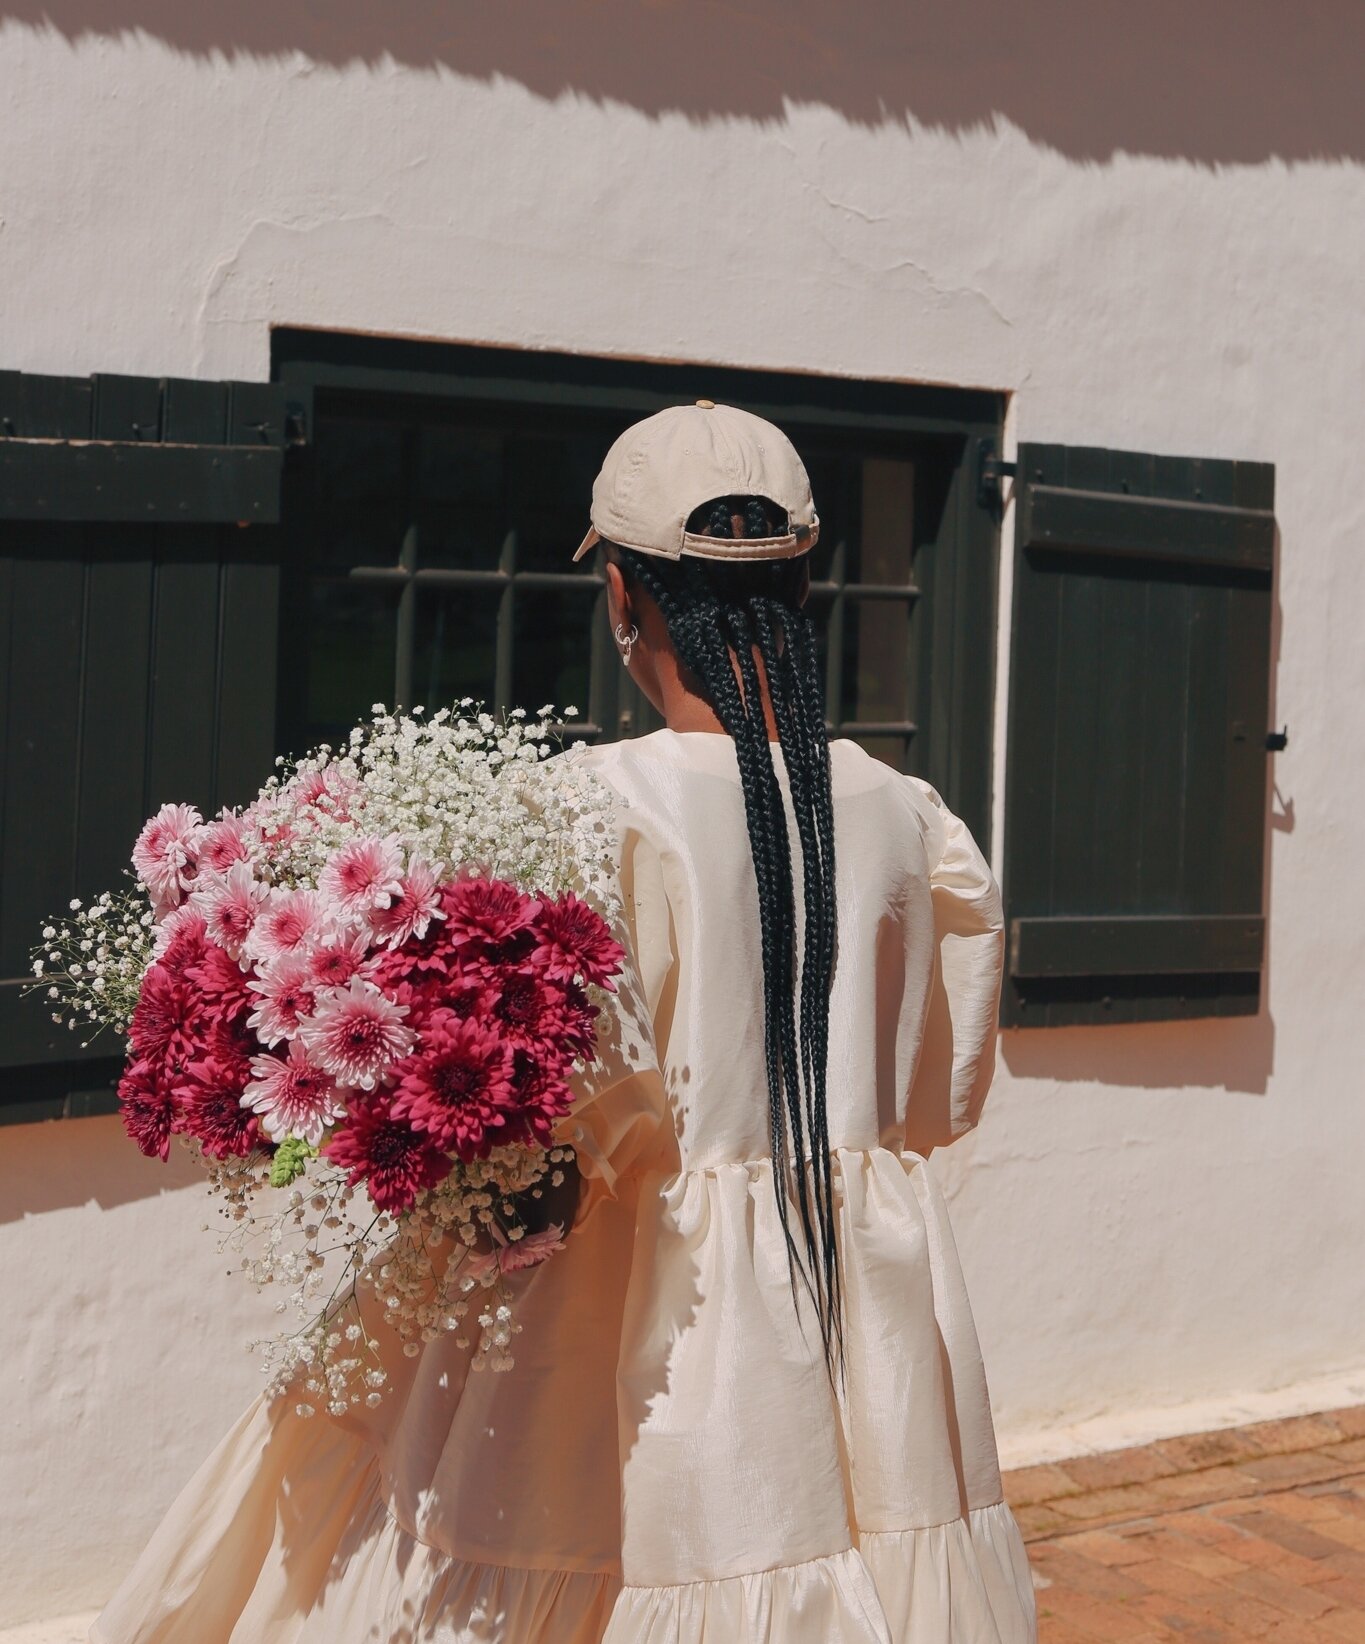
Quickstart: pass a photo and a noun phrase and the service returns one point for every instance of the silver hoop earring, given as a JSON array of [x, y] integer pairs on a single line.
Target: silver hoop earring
[[625, 641]]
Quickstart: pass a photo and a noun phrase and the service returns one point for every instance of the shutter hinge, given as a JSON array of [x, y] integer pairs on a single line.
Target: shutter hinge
[[991, 471], [1277, 741]]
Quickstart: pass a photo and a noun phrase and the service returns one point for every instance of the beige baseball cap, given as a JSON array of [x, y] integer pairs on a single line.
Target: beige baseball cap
[[663, 468]]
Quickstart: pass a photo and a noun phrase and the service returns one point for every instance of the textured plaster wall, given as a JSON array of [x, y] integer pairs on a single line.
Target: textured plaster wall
[[1151, 233]]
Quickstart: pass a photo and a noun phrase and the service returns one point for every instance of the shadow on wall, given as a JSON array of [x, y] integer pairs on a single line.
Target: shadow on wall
[[1223, 82], [1235, 1053], [63, 1163]]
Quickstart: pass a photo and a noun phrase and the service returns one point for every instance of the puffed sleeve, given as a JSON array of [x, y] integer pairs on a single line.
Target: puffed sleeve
[[616, 1125], [957, 1053]]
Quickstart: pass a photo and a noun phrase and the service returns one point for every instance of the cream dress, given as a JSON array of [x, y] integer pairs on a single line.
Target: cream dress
[[667, 1463]]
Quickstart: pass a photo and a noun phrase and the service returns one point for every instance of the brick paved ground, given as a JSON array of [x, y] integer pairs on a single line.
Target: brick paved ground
[[1249, 1533]]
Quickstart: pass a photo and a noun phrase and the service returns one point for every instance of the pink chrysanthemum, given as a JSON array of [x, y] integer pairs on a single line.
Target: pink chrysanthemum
[[164, 1025], [222, 843], [213, 1111], [285, 995], [489, 915], [457, 1086], [180, 938], [412, 910], [336, 957], [288, 920], [148, 1108], [392, 1160], [356, 1033], [363, 877], [165, 854], [291, 1097], [328, 790], [230, 903], [511, 1256], [573, 939], [531, 1250]]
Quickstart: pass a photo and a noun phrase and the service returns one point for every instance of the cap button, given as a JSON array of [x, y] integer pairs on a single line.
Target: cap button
[[707, 405]]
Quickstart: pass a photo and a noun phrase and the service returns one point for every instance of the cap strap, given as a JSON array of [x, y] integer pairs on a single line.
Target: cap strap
[[798, 541]]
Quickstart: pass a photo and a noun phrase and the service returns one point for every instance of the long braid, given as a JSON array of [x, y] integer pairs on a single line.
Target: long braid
[[717, 615], [806, 755]]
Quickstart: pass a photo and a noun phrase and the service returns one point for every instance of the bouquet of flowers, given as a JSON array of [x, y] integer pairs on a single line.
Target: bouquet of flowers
[[359, 1001]]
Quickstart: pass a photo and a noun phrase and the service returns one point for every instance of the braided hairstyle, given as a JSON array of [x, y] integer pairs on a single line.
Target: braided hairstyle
[[719, 613]]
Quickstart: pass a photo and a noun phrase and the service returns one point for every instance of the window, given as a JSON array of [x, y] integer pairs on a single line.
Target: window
[[432, 530]]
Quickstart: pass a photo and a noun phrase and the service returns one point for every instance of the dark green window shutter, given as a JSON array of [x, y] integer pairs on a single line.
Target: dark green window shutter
[[1137, 782], [138, 640]]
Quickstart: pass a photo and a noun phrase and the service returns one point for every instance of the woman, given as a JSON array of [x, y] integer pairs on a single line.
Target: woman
[[748, 1405]]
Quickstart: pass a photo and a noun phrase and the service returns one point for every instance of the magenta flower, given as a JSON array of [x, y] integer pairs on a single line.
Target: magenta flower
[[287, 920], [165, 855], [363, 877], [417, 903], [222, 843], [457, 1086], [573, 939], [164, 1024], [490, 915], [286, 994], [213, 1111], [230, 903], [534, 1013], [356, 1033], [148, 1108], [392, 1160], [292, 1097], [540, 1095]]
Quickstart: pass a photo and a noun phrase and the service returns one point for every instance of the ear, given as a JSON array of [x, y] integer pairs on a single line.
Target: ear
[[618, 599]]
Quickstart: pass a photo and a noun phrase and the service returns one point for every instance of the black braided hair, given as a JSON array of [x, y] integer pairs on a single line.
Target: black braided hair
[[718, 614]]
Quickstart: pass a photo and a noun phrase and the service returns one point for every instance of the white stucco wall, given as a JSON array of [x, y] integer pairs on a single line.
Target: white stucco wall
[[1153, 236]]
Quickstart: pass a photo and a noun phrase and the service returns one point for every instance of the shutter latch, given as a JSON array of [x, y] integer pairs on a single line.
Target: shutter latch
[[1277, 741], [991, 469]]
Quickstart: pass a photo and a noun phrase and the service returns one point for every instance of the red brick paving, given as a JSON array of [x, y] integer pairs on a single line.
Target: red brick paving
[[1249, 1533]]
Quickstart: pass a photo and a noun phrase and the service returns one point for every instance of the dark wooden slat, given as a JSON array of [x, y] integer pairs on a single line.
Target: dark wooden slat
[[59, 1090], [256, 412], [127, 408], [111, 481], [1102, 522], [1135, 944], [184, 677], [194, 412], [39, 407], [247, 685], [30, 1037], [43, 713], [113, 753], [1248, 772]]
